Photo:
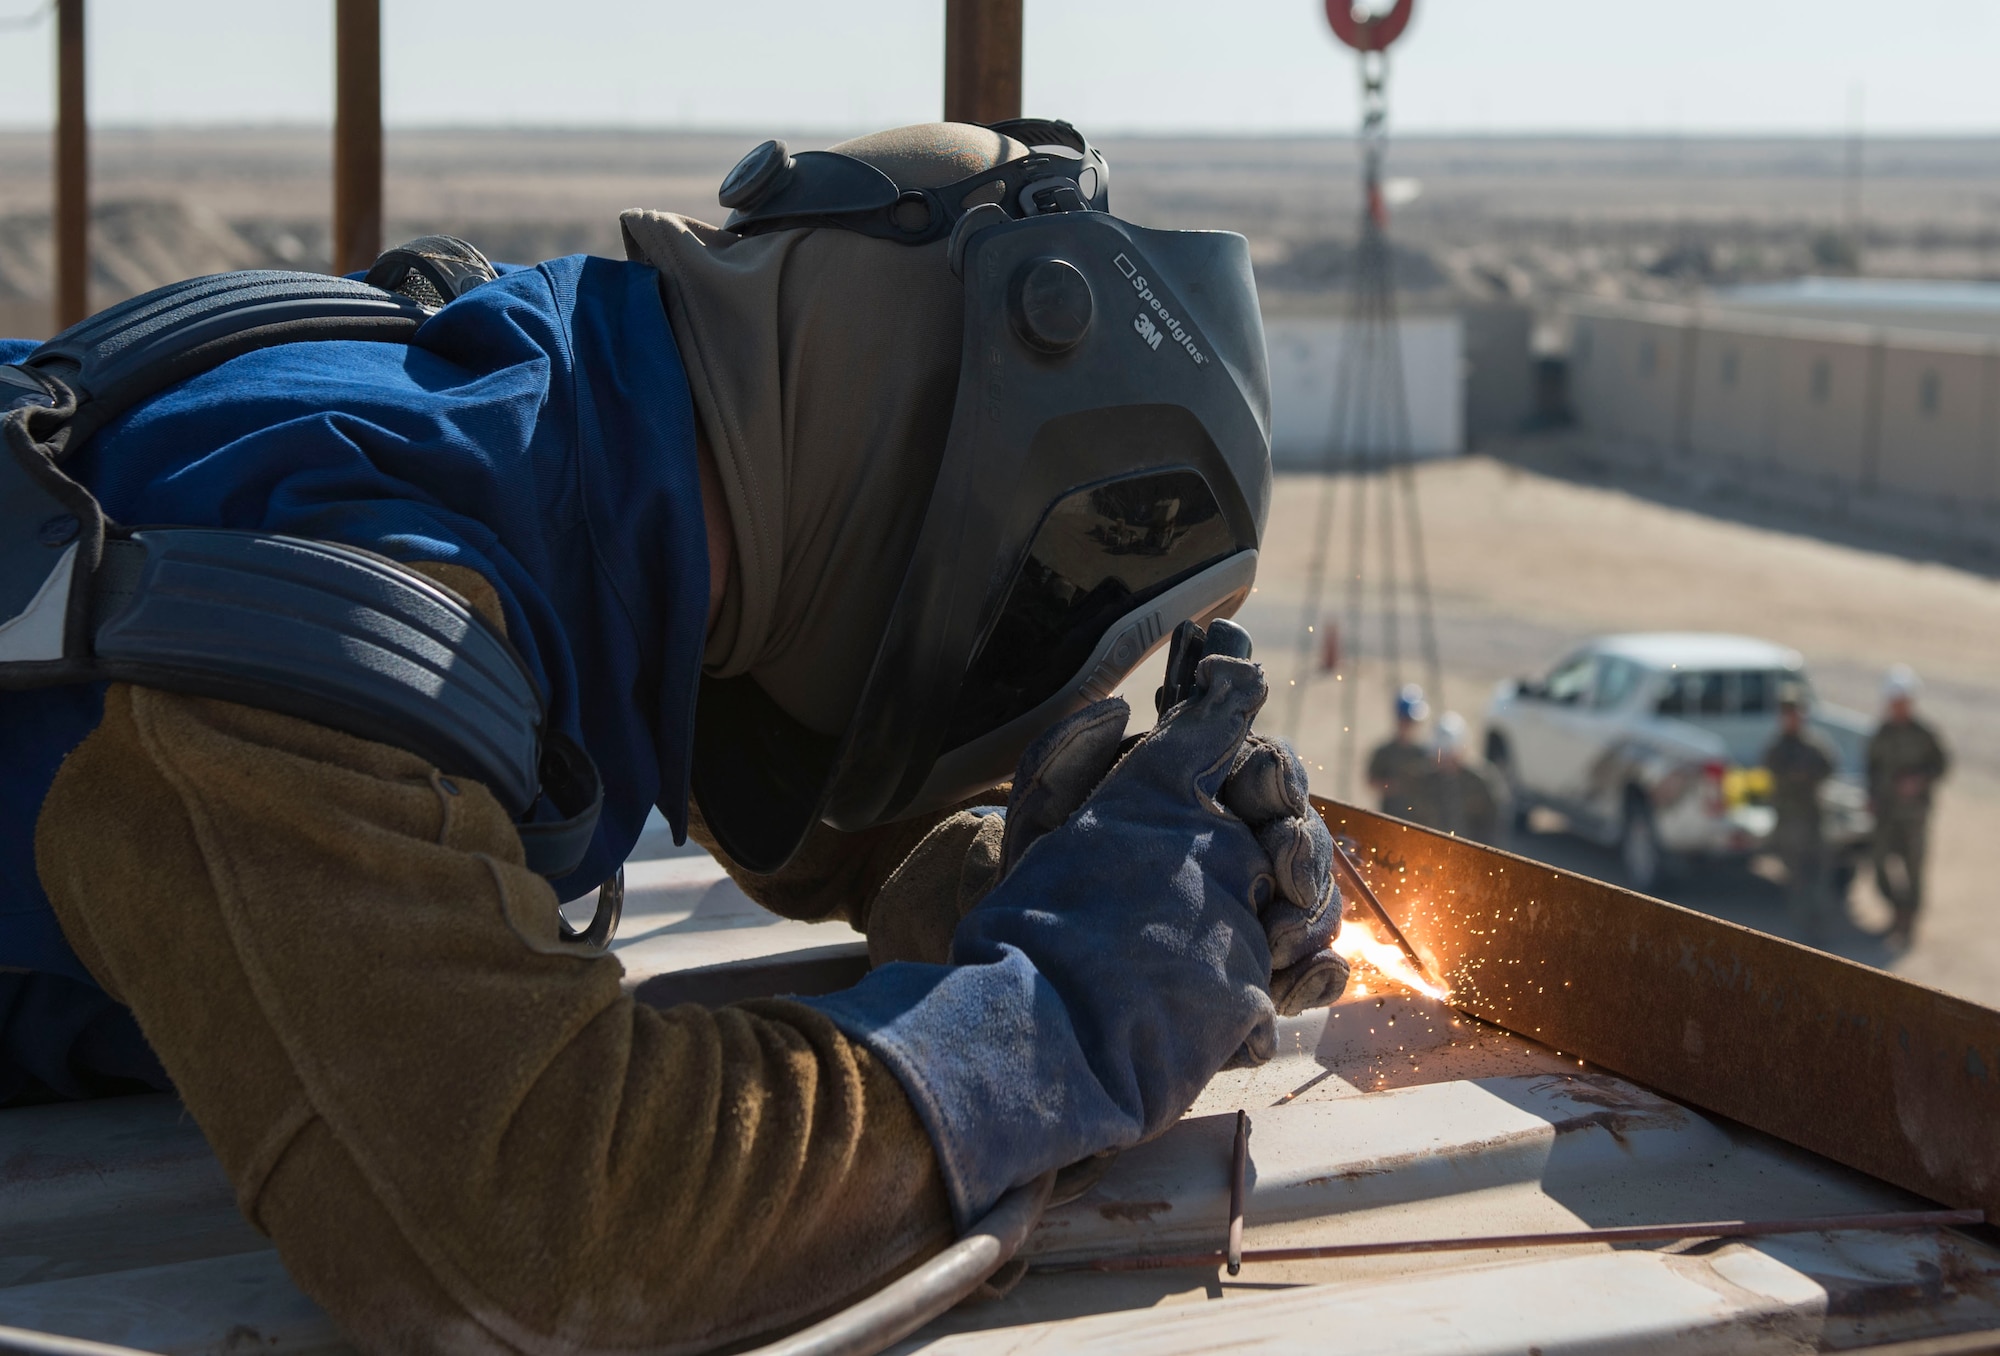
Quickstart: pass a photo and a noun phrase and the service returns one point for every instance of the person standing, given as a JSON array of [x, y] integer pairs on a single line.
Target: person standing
[[1400, 762], [1456, 796], [1800, 760], [1906, 760]]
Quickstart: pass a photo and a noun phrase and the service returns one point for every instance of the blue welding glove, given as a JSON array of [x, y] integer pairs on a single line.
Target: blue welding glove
[[1112, 971], [1296, 900], [1298, 903]]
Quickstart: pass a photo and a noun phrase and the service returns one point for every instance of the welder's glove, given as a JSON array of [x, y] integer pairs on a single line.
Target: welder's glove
[[1298, 903], [1296, 899], [1112, 971]]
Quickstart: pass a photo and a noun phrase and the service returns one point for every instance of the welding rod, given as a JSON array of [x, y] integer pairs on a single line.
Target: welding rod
[[1238, 1169], [1622, 1233], [1341, 855]]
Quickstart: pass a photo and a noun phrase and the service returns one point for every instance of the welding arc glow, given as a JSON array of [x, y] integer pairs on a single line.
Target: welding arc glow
[[1357, 943]]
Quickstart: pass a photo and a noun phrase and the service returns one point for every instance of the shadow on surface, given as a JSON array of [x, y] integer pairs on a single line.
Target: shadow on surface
[[1729, 891]]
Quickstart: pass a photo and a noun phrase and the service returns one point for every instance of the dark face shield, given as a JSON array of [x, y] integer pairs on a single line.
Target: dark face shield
[[1107, 476]]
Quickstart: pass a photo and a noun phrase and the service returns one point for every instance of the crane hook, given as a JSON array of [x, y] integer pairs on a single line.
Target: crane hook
[[1373, 33]]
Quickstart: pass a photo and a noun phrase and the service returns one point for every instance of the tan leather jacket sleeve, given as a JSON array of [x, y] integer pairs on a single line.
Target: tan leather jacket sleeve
[[459, 1131]]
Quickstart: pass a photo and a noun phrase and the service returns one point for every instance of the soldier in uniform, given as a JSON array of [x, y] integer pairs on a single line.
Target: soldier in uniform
[[1397, 763], [1800, 760], [1905, 761], [1456, 796]]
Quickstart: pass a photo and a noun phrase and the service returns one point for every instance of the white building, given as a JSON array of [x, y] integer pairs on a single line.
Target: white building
[[1874, 398], [1305, 356]]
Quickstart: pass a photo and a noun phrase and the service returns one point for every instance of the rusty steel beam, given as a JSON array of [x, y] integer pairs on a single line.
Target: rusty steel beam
[[72, 216], [982, 60], [1864, 1067], [357, 134]]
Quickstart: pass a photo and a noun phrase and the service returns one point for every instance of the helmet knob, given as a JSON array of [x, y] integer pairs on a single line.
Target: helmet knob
[[1051, 304], [754, 176]]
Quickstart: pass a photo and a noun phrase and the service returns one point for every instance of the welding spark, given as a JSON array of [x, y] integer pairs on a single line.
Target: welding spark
[[1358, 944]]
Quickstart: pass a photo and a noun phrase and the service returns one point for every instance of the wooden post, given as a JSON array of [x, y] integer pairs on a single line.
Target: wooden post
[[357, 134], [982, 60], [72, 218]]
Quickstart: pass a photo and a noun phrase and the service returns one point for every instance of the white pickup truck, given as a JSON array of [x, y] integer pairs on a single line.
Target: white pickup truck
[[1651, 743]]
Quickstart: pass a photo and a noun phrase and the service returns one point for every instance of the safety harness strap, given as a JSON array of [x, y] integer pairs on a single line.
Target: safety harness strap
[[331, 634]]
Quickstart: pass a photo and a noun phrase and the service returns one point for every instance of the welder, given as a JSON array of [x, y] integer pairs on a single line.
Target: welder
[[346, 626]]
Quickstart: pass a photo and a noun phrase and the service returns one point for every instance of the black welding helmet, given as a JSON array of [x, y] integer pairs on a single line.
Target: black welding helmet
[[1107, 475]]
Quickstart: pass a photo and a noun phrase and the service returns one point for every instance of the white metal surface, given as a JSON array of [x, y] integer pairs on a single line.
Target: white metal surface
[[1305, 358], [1388, 1117]]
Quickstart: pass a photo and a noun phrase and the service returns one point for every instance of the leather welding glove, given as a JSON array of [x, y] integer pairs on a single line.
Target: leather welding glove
[[1111, 972], [1296, 901], [1299, 904]]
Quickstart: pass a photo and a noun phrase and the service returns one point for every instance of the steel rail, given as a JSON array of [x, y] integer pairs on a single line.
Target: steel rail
[[1620, 1233], [28, 1342], [907, 1303], [1239, 1171]]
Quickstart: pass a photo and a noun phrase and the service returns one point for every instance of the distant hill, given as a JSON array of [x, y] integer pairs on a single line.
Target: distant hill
[[1504, 218]]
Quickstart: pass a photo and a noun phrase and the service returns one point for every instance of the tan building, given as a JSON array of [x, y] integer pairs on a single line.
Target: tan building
[[1867, 398]]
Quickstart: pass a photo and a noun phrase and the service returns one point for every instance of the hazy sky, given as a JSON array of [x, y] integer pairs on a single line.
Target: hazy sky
[[1124, 65]]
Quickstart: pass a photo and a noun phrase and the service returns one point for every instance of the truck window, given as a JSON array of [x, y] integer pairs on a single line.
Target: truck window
[[1615, 680], [1748, 693], [1756, 694], [1697, 694], [1571, 680]]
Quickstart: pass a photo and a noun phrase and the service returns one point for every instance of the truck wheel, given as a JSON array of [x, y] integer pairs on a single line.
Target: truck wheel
[[1639, 846], [1501, 759]]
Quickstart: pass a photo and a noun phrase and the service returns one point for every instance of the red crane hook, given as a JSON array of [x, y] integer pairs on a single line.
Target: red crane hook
[[1371, 34]]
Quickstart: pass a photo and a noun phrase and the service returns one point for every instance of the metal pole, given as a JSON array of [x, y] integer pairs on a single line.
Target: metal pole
[[982, 60], [357, 134], [72, 170]]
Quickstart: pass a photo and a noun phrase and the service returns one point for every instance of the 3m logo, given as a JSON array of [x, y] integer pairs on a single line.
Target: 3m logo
[[1162, 323]]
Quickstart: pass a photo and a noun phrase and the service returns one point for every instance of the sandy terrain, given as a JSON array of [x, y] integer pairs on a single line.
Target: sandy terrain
[[1524, 563]]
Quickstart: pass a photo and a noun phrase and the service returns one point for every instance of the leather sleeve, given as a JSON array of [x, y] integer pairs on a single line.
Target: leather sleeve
[[457, 1128]]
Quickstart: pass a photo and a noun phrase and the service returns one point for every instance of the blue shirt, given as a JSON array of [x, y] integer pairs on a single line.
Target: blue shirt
[[538, 430]]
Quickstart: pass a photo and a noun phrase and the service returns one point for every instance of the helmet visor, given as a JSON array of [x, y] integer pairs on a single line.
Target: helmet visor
[[1099, 553]]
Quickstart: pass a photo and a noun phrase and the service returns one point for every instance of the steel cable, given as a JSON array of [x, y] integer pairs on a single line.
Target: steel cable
[[1369, 445]]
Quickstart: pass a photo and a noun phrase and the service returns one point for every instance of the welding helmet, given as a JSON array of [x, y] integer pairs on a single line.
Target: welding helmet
[[1106, 476]]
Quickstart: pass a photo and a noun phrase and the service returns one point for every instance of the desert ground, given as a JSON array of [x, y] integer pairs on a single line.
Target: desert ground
[[1530, 553]]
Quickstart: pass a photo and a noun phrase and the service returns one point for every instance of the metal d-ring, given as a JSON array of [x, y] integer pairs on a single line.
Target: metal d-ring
[[603, 919]]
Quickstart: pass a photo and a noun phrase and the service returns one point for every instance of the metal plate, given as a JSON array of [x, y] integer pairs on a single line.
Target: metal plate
[[1867, 1068]]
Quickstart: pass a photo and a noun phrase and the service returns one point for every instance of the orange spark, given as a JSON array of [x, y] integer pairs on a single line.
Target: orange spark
[[1358, 944]]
